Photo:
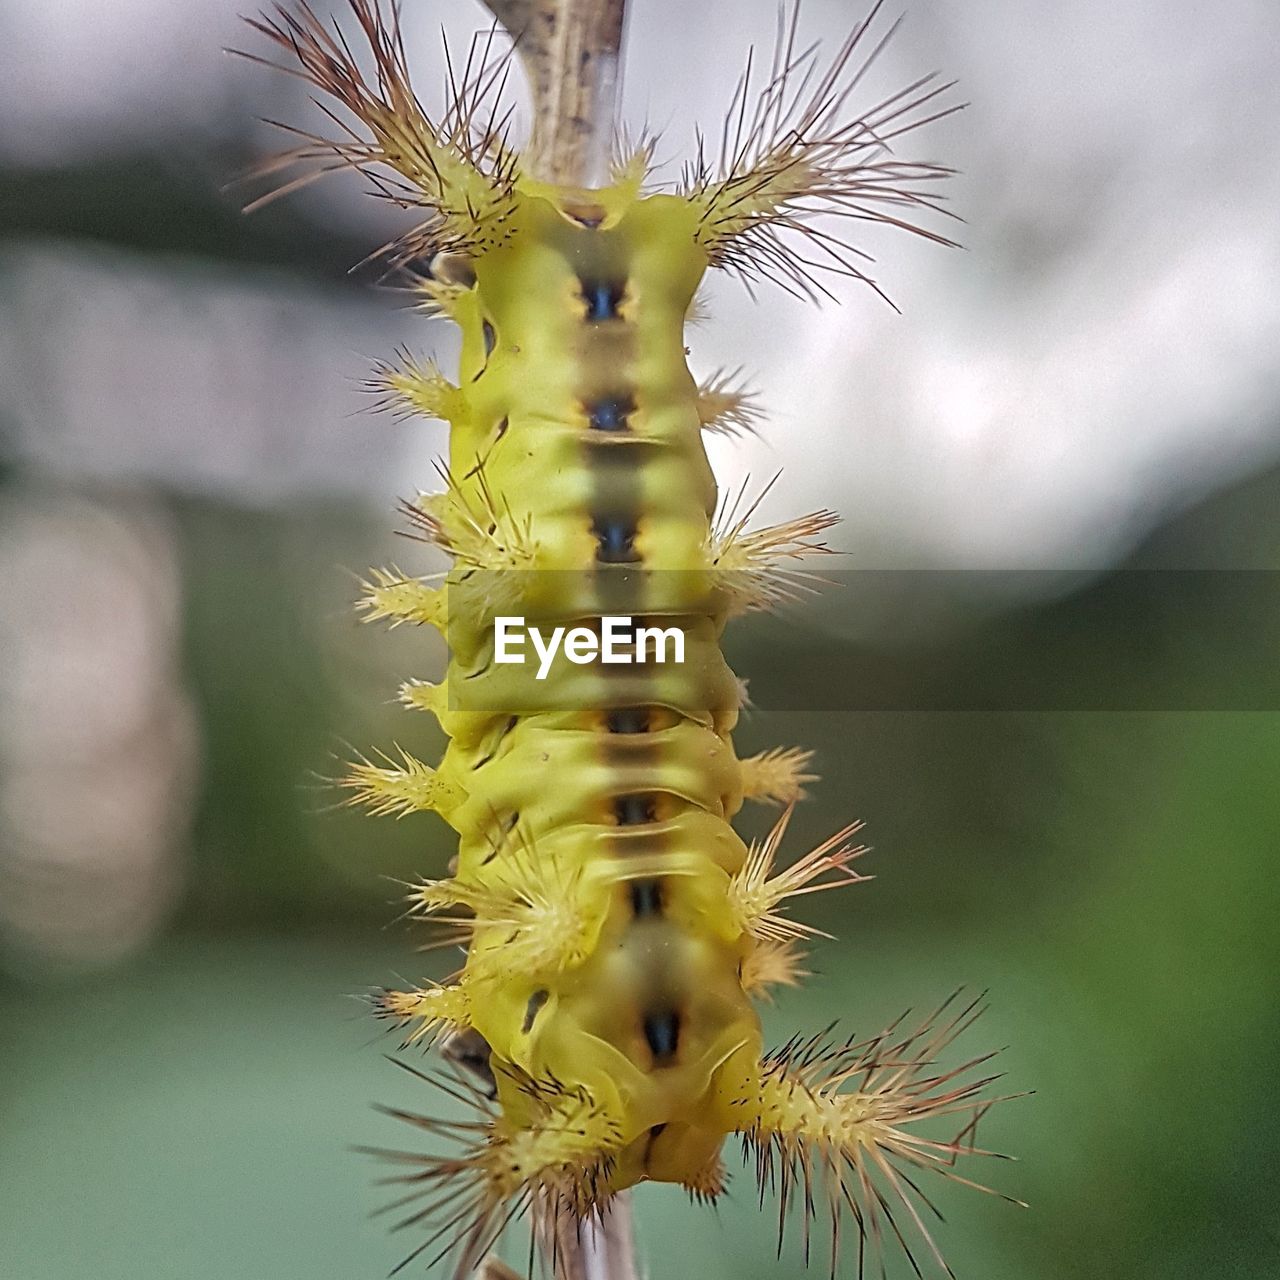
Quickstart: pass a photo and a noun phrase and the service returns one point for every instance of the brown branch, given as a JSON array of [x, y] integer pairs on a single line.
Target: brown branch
[[598, 1248], [572, 54]]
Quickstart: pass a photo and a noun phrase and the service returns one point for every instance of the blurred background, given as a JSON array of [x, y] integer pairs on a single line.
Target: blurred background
[[1054, 702]]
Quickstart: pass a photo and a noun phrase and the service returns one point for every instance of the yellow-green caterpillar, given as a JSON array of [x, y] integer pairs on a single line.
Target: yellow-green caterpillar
[[618, 928]]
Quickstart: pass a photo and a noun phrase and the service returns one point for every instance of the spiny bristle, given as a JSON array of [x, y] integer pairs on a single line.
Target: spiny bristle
[[428, 1011], [437, 298], [632, 159], [797, 153], [777, 776], [458, 169], [726, 407], [750, 565], [406, 387], [751, 568], [562, 1161], [770, 964], [699, 310], [422, 695], [843, 1116], [533, 902], [399, 598], [399, 788], [477, 528], [756, 893]]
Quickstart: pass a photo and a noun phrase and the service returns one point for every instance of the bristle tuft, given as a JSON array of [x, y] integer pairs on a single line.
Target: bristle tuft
[[777, 776], [770, 964], [424, 1012], [396, 597], [757, 892], [840, 1118], [794, 153], [458, 169], [422, 695], [401, 787], [477, 528], [407, 387], [560, 1161], [709, 1183], [726, 407], [532, 909]]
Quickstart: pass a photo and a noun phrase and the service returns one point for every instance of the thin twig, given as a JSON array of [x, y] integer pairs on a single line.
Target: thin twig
[[601, 1247], [572, 53]]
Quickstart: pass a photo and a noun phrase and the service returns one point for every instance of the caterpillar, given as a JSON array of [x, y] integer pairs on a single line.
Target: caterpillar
[[619, 933]]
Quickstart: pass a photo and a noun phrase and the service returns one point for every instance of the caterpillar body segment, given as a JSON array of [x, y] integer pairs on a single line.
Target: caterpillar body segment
[[618, 930]]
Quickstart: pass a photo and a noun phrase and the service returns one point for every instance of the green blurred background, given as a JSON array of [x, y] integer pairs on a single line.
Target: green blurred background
[[185, 914]]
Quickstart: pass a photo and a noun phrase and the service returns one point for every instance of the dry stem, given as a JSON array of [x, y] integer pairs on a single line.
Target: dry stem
[[572, 54]]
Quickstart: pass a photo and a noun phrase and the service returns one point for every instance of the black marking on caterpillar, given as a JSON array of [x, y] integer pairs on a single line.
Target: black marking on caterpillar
[[611, 413], [532, 1009], [646, 898], [662, 1035], [627, 720], [615, 538], [635, 809], [603, 298]]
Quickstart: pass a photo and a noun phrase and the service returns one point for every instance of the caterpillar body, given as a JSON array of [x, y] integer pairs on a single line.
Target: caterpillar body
[[618, 929]]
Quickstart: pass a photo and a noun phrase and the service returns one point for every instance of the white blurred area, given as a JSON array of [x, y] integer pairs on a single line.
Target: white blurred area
[[1107, 345], [98, 743], [1105, 350], [183, 375]]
